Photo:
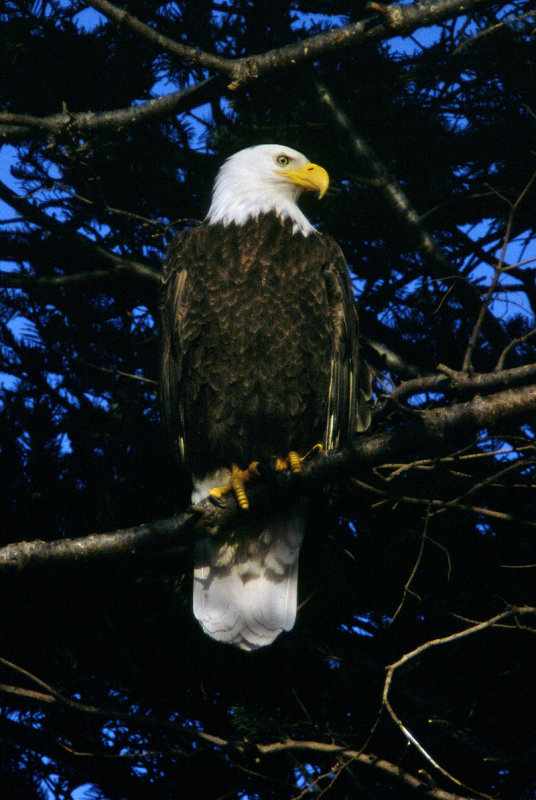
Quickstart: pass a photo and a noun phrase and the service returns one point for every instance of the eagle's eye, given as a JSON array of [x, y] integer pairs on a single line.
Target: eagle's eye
[[283, 160]]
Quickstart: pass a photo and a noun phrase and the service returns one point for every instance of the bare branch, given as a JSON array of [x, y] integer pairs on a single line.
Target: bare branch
[[467, 361], [395, 20], [442, 505], [50, 695], [430, 430], [17, 127], [365, 759], [512, 20], [513, 343], [407, 590], [121, 266], [128, 542], [182, 51], [418, 651], [454, 382]]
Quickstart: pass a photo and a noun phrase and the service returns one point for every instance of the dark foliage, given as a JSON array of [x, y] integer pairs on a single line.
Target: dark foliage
[[132, 700]]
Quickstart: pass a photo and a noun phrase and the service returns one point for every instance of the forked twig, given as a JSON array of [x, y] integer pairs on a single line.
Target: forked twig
[[407, 657], [467, 361]]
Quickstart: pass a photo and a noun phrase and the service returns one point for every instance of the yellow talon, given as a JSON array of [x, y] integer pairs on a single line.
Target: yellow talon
[[294, 461], [238, 478], [219, 491], [315, 450]]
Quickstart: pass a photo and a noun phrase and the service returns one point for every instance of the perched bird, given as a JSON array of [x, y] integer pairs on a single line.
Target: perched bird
[[260, 361]]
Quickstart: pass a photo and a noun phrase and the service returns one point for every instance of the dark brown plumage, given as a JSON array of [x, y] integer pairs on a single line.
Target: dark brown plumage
[[255, 319]]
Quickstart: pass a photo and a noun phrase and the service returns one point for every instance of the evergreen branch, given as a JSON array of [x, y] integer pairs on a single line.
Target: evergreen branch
[[49, 695], [430, 432], [121, 266], [17, 127], [84, 246], [184, 52], [395, 20], [397, 199]]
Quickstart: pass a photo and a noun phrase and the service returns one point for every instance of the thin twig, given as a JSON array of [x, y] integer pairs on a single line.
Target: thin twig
[[493, 29], [312, 748], [468, 357], [429, 645], [413, 572]]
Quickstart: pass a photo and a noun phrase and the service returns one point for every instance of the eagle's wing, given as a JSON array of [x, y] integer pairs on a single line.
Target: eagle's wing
[[173, 344], [350, 380]]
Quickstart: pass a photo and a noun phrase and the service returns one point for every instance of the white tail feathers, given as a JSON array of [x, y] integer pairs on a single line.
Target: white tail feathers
[[246, 586]]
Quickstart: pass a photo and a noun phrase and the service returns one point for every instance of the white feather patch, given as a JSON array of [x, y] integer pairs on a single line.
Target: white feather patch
[[245, 589]]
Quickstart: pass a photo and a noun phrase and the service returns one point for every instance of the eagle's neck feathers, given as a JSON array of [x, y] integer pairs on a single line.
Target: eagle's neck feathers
[[240, 196]]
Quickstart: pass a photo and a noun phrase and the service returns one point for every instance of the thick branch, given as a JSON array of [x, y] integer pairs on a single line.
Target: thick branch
[[128, 542], [452, 382], [429, 433], [396, 20], [17, 127]]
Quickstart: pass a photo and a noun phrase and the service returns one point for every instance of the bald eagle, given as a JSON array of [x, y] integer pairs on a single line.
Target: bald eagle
[[260, 359]]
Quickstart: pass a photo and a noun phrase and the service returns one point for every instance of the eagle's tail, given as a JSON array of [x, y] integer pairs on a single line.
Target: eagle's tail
[[245, 587]]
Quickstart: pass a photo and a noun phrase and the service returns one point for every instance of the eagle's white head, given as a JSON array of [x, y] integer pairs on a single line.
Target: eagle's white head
[[262, 179]]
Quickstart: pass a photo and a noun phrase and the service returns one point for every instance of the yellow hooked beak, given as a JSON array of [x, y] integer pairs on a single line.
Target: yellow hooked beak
[[310, 177]]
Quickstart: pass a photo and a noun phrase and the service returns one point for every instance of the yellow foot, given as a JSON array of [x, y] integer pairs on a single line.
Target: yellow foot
[[239, 477], [293, 461]]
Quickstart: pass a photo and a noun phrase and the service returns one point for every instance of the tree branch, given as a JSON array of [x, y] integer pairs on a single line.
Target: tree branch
[[127, 542], [49, 695], [33, 214], [397, 199], [184, 52], [454, 382], [428, 432], [17, 127], [121, 266], [418, 651], [395, 20]]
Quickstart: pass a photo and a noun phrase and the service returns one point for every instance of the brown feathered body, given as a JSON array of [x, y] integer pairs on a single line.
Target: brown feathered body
[[261, 344]]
